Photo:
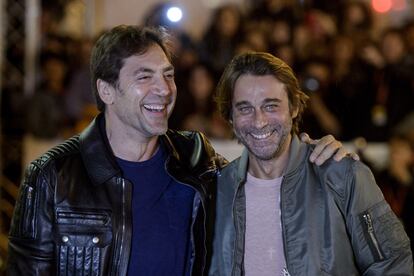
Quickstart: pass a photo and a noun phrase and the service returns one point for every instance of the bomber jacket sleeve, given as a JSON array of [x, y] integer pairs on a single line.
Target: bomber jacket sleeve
[[31, 249], [380, 244]]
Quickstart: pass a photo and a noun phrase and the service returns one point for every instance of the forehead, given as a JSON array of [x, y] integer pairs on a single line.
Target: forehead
[[253, 88], [153, 57]]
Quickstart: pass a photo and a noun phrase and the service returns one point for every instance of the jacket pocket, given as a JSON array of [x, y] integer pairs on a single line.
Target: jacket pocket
[[83, 217], [371, 237], [383, 231], [83, 241]]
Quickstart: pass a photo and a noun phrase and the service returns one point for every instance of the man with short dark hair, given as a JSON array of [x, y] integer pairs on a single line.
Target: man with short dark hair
[[279, 214], [127, 195]]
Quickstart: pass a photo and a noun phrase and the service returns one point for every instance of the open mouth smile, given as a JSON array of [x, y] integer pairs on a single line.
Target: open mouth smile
[[155, 107], [261, 136]]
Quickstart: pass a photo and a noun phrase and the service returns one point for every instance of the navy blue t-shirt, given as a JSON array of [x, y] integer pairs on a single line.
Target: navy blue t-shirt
[[161, 216]]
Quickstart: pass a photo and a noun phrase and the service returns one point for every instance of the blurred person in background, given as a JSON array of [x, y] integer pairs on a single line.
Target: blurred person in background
[[79, 101], [409, 38], [219, 41], [286, 53], [352, 87], [397, 181], [269, 10], [354, 19], [254, 38], [47, 122], [46, 117], [301, 43], [280, 33], [394, 94], [318, 119], [202, 115]]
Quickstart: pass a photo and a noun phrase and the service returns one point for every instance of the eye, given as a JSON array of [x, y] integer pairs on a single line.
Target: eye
[[143, 77], [169, 75], [270, 107], [244, 110]]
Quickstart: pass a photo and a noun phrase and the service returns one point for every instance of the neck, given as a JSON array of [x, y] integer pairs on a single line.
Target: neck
[[129, 144], [272, 168]]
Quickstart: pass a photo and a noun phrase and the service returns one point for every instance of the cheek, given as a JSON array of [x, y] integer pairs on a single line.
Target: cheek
[[240, 124]]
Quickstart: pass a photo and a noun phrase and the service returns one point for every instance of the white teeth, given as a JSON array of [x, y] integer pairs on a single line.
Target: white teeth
[[154, 107], [261, 136]]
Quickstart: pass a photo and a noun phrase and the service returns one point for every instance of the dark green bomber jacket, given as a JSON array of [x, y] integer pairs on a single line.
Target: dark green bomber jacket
[[335, 220], [73, 215]]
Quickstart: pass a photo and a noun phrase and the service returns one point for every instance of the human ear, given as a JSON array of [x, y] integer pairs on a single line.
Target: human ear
[[106, 91]]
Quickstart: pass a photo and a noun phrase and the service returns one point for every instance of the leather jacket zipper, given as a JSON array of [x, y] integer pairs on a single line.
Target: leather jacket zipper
[[117, 256], [372, 239], [28, 213], [196, 205]]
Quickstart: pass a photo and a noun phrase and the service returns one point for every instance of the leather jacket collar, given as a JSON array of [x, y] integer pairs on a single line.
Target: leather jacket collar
[[96, 152], [98, 157]]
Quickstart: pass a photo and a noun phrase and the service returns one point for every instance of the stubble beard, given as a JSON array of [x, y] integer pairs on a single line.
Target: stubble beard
[[264, 153]]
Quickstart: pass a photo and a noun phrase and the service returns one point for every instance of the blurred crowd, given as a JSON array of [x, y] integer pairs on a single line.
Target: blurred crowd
[[360, 80]]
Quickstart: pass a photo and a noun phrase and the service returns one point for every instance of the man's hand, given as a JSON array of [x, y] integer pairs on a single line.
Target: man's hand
[[326, 147]]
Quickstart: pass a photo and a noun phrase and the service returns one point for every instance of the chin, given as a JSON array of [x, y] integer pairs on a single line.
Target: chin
[[264, 156], [160, 131]]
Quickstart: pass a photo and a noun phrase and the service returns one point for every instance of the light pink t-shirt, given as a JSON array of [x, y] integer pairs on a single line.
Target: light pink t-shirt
[[263, 242]]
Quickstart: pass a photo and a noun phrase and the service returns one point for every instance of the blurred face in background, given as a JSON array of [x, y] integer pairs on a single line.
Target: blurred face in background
[[343, 50], [228, 21], [281, 32], [55, 73], [201, 83], [393, 48], [400, 152], [354, 15]]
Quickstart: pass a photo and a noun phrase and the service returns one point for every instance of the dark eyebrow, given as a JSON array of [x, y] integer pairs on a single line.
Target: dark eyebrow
[[168, 68], [149, 70], [267, 100], [270, 100], [143, 70], [242, 103]]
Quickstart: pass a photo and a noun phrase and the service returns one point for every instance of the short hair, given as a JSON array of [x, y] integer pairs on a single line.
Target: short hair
[[259, 64], [117, 44]]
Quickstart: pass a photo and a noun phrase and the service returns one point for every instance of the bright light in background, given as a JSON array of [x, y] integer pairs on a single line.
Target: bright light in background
[[174, 14], [381, 6]]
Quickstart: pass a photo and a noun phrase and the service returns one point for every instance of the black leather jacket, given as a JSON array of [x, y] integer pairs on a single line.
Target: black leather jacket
[[334, 218], [73, 215]]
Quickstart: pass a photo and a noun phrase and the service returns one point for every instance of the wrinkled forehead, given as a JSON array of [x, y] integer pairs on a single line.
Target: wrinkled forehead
[[258, 88], [153, 56]]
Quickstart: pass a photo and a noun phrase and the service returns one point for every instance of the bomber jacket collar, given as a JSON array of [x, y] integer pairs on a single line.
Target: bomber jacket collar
[[97, 153], [296, 153]]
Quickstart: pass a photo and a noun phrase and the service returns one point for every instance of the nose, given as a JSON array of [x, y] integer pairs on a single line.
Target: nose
[[163, 86], [260, 119]]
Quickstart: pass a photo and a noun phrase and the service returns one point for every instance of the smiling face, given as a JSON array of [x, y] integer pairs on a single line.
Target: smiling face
[[261, 117], [145, 95]]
